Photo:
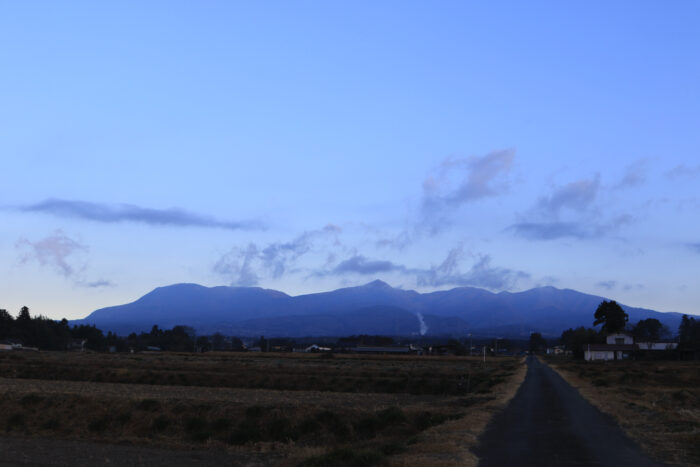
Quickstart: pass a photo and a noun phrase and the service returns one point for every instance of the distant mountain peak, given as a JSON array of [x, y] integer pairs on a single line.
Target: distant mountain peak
[[375, 307], [377, 284]]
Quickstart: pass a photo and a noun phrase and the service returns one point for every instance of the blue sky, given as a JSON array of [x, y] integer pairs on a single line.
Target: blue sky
[[305, 146]]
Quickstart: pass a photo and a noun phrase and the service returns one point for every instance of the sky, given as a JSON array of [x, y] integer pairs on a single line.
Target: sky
[[305, 146]]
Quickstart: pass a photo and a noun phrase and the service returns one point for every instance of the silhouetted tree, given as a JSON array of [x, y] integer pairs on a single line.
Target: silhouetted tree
[[24, 315], [203, 344], [648, 329], [689, 330], [217, 341], [537, 342], [6, 324], [94, 337], [611, 316], [576, 339]]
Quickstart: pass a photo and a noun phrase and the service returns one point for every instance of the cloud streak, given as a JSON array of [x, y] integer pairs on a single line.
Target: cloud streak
[[463, 181], [581, 229], [481, 177], [239, 265], [62, 254], [635, 175], [683, 171], [572, 211], [481, 274], [106, 213], [447, 273], [358, 264], [577, 196], [246, 266], [277, 257], [56, 251], [607, 284], [694, 247]]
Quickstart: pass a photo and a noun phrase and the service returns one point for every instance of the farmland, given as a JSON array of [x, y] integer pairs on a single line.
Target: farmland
[[276, 409], [656, 402]]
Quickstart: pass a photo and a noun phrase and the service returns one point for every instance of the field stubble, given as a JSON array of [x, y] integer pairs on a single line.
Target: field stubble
[[308, 409], [656, 402]]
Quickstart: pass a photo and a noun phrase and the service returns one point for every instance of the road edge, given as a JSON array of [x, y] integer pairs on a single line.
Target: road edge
[[592, 395], [451, 443]]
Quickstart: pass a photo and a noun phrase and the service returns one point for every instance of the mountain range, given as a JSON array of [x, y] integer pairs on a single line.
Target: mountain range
[[374, 308]]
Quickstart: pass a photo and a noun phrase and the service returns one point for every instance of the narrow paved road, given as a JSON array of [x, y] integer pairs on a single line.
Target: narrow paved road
[[548, 423]]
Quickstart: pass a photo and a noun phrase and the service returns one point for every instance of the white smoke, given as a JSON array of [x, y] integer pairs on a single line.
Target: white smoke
[[421, 321]]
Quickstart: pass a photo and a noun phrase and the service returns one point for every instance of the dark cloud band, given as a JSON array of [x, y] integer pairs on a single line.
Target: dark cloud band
[[130, 213]]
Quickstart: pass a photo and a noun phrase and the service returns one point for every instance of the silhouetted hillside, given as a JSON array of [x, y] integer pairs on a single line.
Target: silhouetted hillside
[[374, 308]]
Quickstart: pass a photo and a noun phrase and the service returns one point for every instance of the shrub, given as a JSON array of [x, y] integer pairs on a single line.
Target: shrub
[[393, 448], [254, 411], [346, 457], [193, 424], [14, 421], [247, 431], [160, 423], [333, 422], [99, 425], [281, 429], [391, 416], [221, 424], [123, 417], [309, 425], [425, 420], [30, 399], [367, 427], [149, 405], [51, 424]]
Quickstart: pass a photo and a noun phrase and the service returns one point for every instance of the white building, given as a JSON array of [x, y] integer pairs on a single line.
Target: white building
[[657, 345], [621, 346], [617, 347]]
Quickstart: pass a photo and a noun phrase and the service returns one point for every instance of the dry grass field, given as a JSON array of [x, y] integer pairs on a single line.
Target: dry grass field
[[292, 409], [656, 402]]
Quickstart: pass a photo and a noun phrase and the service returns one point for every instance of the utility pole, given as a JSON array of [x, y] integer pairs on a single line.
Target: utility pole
[[471, 346]]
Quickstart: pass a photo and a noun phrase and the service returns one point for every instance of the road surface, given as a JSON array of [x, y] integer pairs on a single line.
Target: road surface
[[548, 423]]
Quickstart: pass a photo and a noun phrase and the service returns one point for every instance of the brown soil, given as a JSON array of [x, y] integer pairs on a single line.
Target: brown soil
[[256, 426]]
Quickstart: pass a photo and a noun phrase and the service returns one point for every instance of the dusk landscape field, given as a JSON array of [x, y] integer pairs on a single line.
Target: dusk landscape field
[[362, 233], [266, 409]]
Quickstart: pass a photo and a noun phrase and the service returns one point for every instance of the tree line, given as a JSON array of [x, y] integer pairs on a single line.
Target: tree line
[[614, 319], [47, 334]]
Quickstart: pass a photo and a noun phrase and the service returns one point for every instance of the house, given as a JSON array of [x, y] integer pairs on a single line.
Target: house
[[317, 348], [656, 345], [619, 339], [77, 344], [557, 350], [617, 346]]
